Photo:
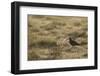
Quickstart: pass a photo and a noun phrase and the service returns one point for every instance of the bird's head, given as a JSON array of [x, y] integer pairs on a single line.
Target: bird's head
[[70, 38]]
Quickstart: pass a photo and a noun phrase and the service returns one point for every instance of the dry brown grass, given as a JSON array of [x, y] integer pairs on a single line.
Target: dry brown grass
[[46, 36]]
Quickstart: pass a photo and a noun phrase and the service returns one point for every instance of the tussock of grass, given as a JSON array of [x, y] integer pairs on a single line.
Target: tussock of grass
[[44, 32]]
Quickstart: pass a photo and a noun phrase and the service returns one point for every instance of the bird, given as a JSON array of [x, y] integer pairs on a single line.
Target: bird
[[73, 42]]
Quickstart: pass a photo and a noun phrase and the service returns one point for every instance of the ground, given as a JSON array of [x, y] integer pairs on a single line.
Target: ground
[[48, 37]]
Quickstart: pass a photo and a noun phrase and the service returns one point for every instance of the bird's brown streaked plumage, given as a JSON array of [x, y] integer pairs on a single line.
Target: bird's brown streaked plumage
[[73, 42]]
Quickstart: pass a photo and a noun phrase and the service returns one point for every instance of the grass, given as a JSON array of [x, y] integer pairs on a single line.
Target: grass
[[46, 35]]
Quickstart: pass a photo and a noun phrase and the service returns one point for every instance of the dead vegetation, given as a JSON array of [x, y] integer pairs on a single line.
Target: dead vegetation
[[47, 37]]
